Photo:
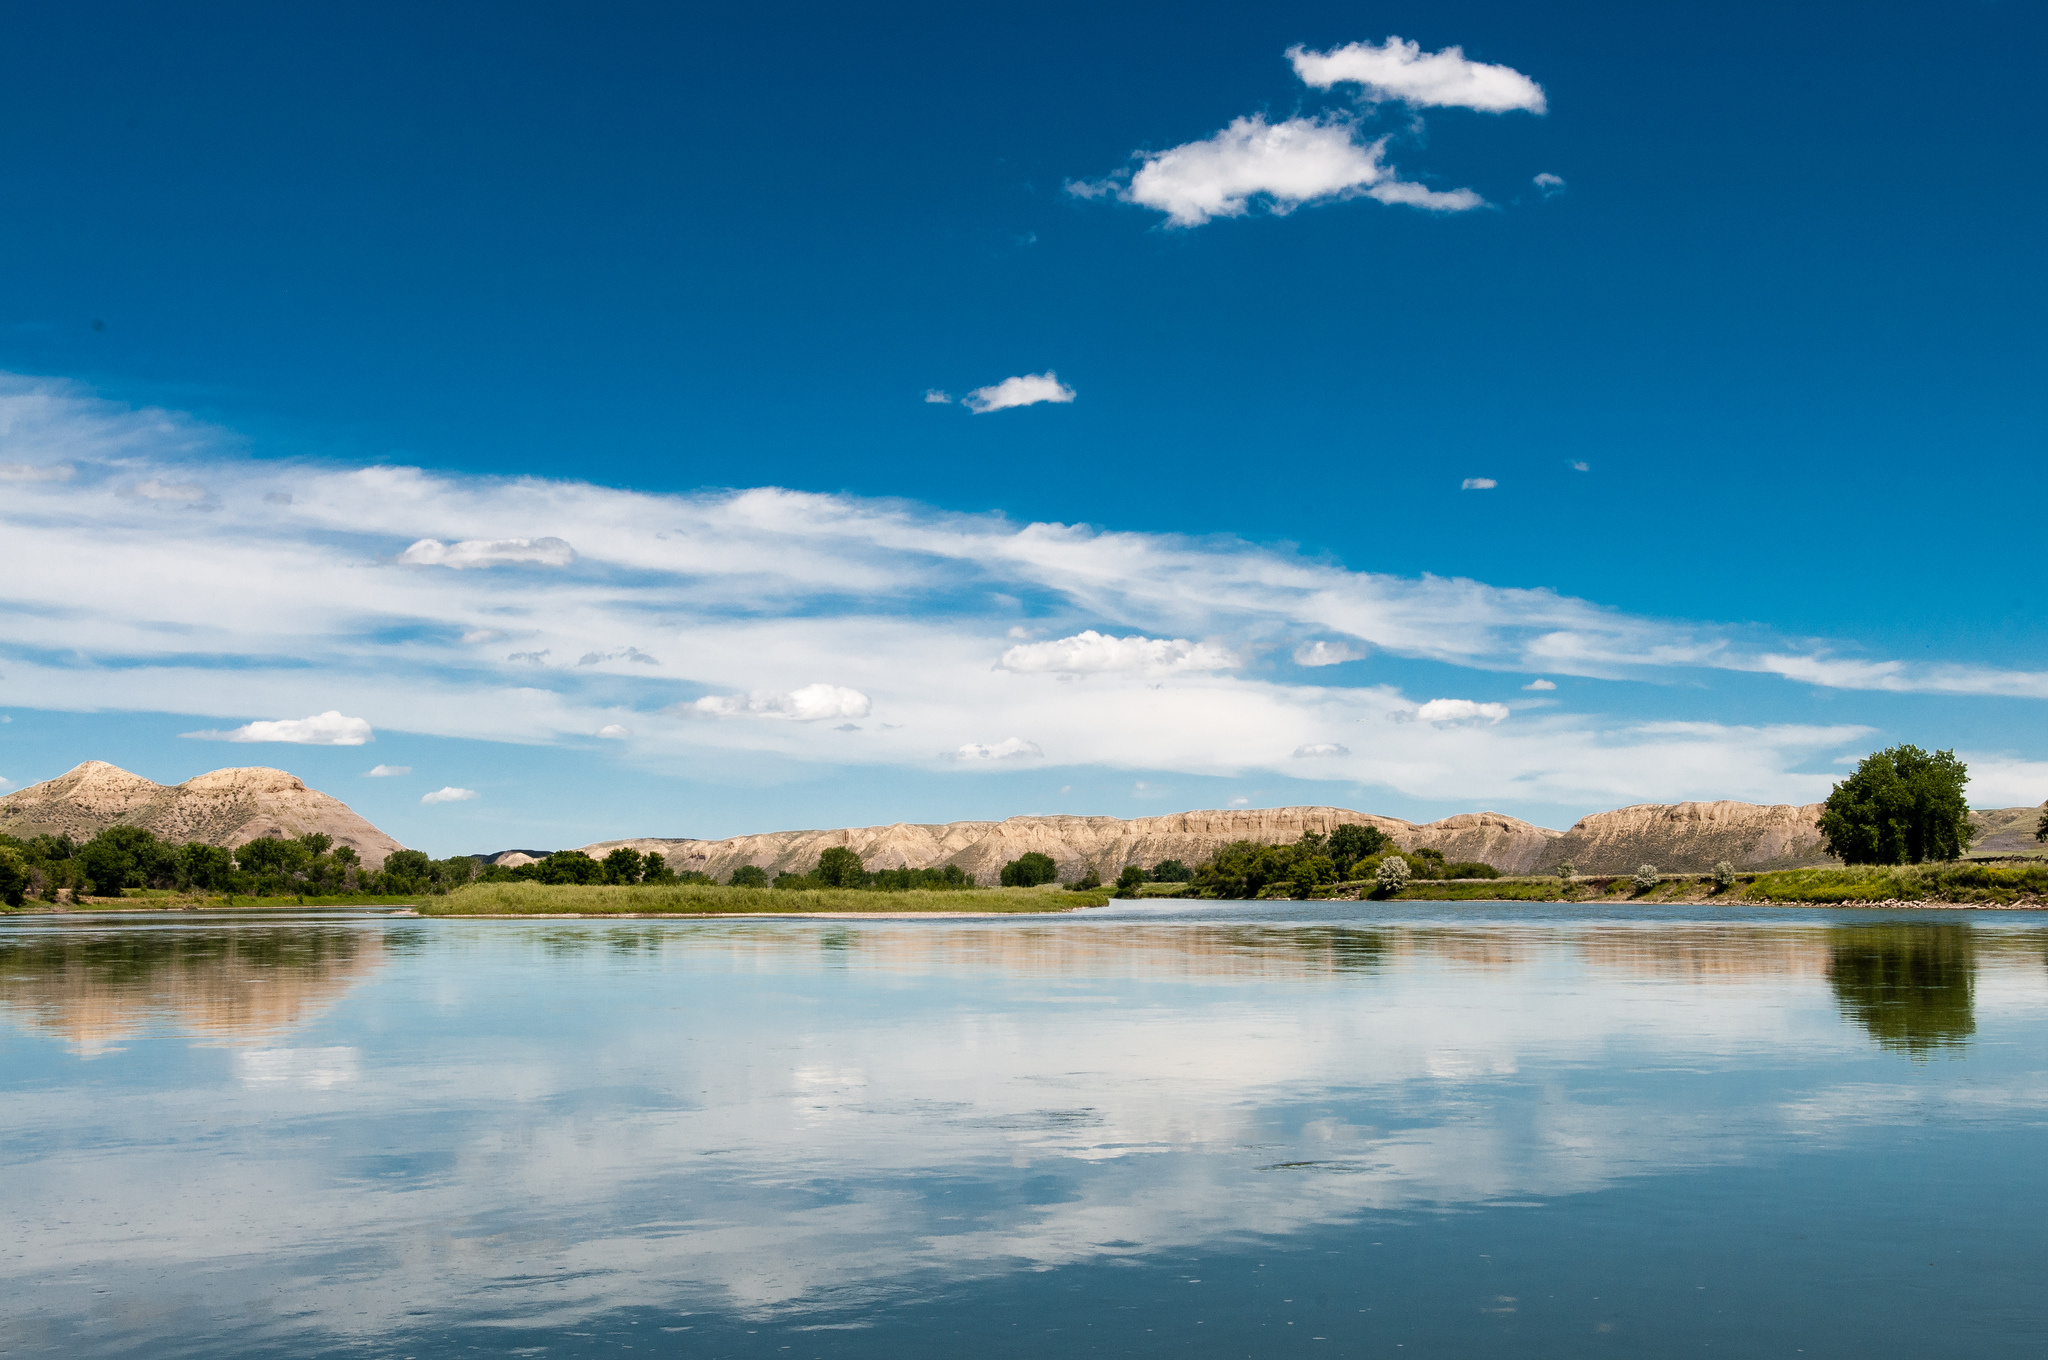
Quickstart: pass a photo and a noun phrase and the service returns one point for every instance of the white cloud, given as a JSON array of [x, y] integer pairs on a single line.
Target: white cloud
[[1397, 70], [812, 703], [451, 794], [539, 658], [497, 552], [1026, 390], [482, 635], [1540, 685], [1010, 748], [183, 493], [1319, 750], [1282, 166], [615, 731], [1091, 653], [36, 472], [1478, 484], [1578, 466], [322, 729], [1459, 711], [387, 771], [897, 602], [1327, 653], [1551, 185], [933, 396]]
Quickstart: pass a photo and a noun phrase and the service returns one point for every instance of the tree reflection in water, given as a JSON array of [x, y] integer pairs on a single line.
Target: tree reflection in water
[[1912, 986]]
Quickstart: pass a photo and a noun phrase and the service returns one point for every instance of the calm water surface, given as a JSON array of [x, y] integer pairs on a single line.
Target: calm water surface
[[1289, 1129]]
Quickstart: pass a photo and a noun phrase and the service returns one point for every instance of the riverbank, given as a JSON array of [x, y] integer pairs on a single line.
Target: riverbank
[[708, 899]]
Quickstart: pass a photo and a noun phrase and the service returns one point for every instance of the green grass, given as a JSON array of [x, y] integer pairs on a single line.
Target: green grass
[[691, 899], [1961, 882], [170, 899]]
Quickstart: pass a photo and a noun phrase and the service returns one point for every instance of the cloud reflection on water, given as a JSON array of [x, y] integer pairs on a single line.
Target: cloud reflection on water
[[546, 1122]]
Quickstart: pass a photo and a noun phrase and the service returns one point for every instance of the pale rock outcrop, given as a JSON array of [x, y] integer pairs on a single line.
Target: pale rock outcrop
[[226, 807], [1077, 844], [1694, 837]]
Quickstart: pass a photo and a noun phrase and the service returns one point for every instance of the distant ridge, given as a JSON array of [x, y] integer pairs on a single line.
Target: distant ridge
[[226, 807], [1676, 837]]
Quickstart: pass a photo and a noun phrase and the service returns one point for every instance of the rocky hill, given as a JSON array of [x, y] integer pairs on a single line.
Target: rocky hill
[[1676, 837], [1105, 843], [226, 807]]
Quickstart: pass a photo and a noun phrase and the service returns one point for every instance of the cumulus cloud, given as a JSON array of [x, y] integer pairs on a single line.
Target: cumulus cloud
[[1026, 390], [36, 472], [1478, 484], [1320, 750], [450, 794], [812, 703], [387, 771], [1091, 653], [1551, 185], [1577, 465], [494, 552], [1448, 711], [1327, 653], [615, 731], [1402, 71], [1010, 748], [1540, 685], [934, 397], [322, 729], [1282, 166]]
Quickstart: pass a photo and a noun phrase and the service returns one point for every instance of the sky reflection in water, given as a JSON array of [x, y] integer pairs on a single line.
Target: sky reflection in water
[[1331, 1128]]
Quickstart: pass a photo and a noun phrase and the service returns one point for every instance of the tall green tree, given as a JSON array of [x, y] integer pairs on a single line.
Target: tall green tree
[[623, 865], [840, 867], [1902, 806], [13, 876], [749, 876]]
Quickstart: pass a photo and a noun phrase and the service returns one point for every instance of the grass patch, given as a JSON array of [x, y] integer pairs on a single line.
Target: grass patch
[[1958, 882], [693, 899], [170, 899]]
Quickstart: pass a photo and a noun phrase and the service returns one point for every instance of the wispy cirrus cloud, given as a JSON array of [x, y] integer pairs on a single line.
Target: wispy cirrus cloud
[[743, 600]]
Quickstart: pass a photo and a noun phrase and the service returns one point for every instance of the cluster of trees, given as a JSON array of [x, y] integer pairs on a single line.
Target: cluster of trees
[[840, 867], [622, 865], [1246, 869], [122, 858]]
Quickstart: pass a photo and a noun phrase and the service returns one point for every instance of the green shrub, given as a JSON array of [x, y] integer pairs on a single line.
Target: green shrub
[[749, 876], [1171, 871], [1029, 870], [1724, 876], [1470, 868]]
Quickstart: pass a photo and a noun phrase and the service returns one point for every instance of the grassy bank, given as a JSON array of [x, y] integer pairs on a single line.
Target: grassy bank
[[169, 899], [691, 899], [1963, 883]]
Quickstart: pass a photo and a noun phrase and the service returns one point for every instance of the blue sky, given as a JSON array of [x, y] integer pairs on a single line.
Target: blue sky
[[1779, 295]]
